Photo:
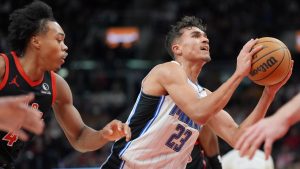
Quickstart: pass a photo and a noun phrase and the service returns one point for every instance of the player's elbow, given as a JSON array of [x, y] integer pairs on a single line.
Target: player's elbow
[[80, 149], [196, 115], [204, 109], [201, 118], [78, 144], [81, 146], [205, 115]]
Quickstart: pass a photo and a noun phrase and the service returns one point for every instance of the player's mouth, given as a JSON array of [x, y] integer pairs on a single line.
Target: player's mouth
[[64, 57], [205, 48]]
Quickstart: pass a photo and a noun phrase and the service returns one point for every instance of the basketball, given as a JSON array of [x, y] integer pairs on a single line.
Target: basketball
[[271, 64]]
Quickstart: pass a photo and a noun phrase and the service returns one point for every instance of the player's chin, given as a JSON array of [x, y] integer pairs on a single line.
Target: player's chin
[[206, 58], [56, 67]]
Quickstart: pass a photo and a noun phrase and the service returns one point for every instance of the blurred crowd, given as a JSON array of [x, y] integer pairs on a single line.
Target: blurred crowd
[[105, 80]]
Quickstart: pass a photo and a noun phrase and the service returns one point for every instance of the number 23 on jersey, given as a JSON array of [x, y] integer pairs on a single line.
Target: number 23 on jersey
[[177, 140]]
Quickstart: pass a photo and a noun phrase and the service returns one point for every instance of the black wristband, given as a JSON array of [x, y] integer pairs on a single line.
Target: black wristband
[[215, 161]]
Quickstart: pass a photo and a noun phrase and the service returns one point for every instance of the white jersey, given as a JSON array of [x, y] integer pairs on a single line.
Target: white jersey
[[162, 135]]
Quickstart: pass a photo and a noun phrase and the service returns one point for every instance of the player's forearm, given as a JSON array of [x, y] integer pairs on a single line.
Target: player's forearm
[[258, 113], [290, 112], [260, 109], [89, 140], [218, 99], [223, 94]]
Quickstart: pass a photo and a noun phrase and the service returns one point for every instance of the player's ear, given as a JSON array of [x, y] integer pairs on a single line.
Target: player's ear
[[35, 41], [176, 48]]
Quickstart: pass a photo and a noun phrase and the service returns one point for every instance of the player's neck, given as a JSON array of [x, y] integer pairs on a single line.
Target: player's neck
[[31, 66], [193, 76], [192, 70]]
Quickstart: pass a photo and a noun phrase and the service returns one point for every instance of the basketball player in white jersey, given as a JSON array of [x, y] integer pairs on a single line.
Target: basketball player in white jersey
[[172, 106]]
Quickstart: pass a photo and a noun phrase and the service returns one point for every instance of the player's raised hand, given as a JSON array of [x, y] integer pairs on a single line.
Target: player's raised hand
[[116, 130], [274, 88], [245, 57]]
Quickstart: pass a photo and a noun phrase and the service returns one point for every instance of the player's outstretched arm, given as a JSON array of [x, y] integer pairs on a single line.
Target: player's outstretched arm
[[225, 127], [270, 129], [82, 137]]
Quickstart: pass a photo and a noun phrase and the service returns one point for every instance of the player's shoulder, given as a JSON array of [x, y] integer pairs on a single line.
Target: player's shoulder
[[60, 81], [164, 73], [170, 64], [168, 69], [62, 89]]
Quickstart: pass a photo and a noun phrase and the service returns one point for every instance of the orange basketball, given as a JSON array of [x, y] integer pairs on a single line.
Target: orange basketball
[[271, 64]]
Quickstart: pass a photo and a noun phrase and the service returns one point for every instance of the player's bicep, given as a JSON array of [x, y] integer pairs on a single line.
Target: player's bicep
[[182, 93], [224, 126], [66, 114], [175, 82]]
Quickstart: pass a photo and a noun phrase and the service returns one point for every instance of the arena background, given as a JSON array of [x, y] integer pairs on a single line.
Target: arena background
[[113, 44]]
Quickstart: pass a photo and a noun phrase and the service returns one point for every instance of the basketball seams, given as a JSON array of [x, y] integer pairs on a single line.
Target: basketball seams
[[273, 41], [274, 69], [270, 65], [266, 55]]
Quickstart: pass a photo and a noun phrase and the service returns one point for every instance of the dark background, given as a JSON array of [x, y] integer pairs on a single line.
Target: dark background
[[105, 81]]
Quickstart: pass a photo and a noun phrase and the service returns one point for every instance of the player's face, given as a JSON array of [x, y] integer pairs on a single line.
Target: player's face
[[194, 44], [53, 49]]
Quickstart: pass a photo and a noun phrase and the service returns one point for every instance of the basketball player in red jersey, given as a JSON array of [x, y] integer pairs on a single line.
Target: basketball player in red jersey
[[37, 41]]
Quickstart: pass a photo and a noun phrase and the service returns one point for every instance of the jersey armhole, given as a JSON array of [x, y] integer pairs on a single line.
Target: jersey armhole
[[53, 81], [5, 77]]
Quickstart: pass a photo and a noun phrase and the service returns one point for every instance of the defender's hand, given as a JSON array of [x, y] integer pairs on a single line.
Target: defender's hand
[[116, 130]]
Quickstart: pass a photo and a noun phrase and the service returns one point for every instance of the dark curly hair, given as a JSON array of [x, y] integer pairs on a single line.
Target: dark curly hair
[[26, 22], [175, 32]]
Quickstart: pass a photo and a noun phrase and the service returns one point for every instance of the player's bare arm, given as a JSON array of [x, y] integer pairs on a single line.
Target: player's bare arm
[[262, 131], [82, 137], [230, 131]]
